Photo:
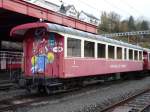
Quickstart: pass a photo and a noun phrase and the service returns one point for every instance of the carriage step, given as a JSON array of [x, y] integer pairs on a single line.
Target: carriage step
[[54, 84]]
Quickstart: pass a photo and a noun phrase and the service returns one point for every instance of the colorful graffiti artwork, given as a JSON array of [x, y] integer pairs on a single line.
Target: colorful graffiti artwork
[[42, 53]]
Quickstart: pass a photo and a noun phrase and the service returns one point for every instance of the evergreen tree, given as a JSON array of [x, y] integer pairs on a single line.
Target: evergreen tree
[[131, 24], [144, 25], [111, 23]]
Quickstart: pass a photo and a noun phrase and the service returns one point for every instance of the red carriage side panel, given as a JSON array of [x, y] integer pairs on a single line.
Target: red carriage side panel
[[87, 67], [43, 54]]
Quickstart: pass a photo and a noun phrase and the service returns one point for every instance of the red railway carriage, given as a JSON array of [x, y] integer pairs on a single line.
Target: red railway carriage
[[55, 51], [43, 52], [146, 59], [10, 60], [10, 65]]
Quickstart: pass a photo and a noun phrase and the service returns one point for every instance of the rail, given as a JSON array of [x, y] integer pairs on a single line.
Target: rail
[[136, 103]]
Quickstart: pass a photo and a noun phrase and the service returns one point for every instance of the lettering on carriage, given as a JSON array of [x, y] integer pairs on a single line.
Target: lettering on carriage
[[74, 64], [57, 49], [118, 66]]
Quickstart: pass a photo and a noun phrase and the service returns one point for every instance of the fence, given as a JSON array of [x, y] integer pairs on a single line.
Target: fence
[[10, 63]]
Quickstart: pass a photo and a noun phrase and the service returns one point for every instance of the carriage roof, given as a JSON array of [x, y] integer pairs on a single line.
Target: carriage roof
[[21, 30]]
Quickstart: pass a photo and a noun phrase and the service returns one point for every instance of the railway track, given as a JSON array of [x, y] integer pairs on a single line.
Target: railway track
[[136, 103], [11, 104], [5, 85]]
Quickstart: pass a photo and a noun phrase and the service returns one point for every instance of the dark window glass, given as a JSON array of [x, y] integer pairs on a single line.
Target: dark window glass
[[101, 50], [130, 54], [111, 52], [119, 53], [135, 55], [88, 49], [140, 55], [73, 47], [125, 53]]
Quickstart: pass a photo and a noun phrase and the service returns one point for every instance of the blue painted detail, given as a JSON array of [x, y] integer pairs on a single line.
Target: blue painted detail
[[52, 40]]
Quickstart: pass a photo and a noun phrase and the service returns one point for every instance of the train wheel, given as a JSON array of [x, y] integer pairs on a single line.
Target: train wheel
[[32, 89], [41, 89]]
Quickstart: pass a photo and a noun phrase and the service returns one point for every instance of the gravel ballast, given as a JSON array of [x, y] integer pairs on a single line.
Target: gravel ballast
[[90, 101]]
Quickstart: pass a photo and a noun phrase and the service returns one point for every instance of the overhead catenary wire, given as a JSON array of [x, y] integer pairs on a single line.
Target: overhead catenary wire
[[114, 6], [118, 8], [107, 2], [133, 8]]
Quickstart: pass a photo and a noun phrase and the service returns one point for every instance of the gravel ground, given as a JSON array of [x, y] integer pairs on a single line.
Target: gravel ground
[[12, 93], [8, 89], [90, 101]]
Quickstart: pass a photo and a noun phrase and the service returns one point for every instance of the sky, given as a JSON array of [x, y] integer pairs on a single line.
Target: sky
[[125, 8]]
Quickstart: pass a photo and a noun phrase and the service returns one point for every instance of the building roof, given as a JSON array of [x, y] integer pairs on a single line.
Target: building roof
[[64, 9], [90, 15], [52, 3]]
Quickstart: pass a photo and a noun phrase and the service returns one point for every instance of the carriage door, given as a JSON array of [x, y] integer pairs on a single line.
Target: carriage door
[[145, 60], [44, 55]]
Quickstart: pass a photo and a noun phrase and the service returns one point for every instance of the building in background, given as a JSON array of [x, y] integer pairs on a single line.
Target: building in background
[[89, 18], [69, 10]]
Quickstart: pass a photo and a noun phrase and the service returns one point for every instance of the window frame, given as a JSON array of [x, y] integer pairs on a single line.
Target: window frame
[[141, 56], [67, 47], [132, 59], [117, 53], [113, 50], [104, 50], [125, 55], [135, 56], [93, 49]]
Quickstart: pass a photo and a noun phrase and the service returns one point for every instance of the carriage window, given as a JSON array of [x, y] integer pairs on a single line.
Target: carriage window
[[135, 55], [73, 47], [88, 49], [111, 52], [125, 53], [119, 53], [140, 55], [130, 54], [101, 50]]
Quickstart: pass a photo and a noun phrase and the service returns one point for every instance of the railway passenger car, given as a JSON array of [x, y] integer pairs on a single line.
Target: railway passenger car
[[57, 55], [10, 65], [10, 61], [146, 59]]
